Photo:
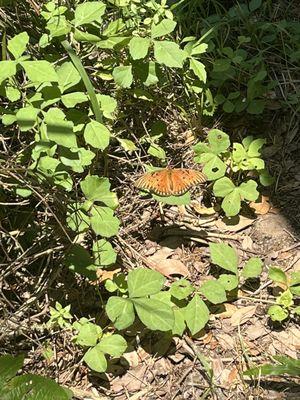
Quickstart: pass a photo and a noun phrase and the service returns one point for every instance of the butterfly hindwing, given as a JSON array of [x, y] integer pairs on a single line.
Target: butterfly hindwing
[[168, 182]]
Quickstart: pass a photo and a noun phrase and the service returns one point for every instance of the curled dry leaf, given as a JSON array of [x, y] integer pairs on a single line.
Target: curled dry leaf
[[167, 266], [102, 275], [200, 209], [261, 207], [242, 315], [236, 224], [230, 309]]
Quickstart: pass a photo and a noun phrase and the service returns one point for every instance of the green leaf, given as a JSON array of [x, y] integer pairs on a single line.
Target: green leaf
[[196, 315], [27, 118], [285, 299], [81, 36], [104, 254], [7, 69], [199, 49], [97, 135], [154, 314], [40, 71], [12, 93], [88, 334], [88, 12], [174, 200], [123, 76], [179, 322], [252, 268], [144, 282], [128, 145], [256, 107], [254, 5], [221, 65], [8, 119], [223, 186], [295, 278], [277, 275], [95, 358], [58, 26], [79, 260], [17, 45], [199, 69], [120, 311], [70, 100], [219, 141], [224, 256], [97, 189], [138, 47], [78, 221], [59, 130], [229, 282], [277, 313], [31, 386], [290, 366], [169, 54], [214, 168], [114, 345], [228, 106], [156, 151], [265, 178], [9, 366], [231, 203], [165, 27], [239, 153], [107, 104], [104, 222], [213, 291], [68, 76], [181, 289], [248, 190], [255, 147]]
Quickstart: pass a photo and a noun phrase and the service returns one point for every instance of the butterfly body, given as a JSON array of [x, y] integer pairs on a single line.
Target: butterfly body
[[170, 181]]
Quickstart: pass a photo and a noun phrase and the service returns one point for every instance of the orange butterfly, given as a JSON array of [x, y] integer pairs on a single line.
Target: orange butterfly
[[170, 182]]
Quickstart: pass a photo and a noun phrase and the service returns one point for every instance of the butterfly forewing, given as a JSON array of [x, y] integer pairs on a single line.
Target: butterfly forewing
[[168, 182]]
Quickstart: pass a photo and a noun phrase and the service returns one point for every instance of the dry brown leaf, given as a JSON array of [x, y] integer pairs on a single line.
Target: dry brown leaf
[[262, 207], [200, 209], [132, 358], [167, 266], [226, 341], [102, 275], [228, 377], [241, 223], [286, 342], [230, 309], [242, 315], [256, 331], [247, 243]]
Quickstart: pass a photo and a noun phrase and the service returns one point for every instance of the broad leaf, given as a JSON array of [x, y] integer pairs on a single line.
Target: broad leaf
[[40, 71], [123, 76], [17, 45], [95, 359], [144, 282], [165, 27], [252, 268], [213, 291], [196, 315], [97, 135], [114, 345], [138, 47], [7, 69], [120, 312], [88, 12], [154, 314], [224, 255], [104, 254], [169, 54], [198, 69], [104, 222]]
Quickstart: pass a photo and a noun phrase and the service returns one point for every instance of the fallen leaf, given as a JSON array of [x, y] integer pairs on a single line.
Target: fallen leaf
[[235, 224], [132, 358], [256, 331], [226, 341], [261, 207], [228, 377], [230, 309], [242, 315], [102, 274], [247, 243], [167, 266], [200, 209]]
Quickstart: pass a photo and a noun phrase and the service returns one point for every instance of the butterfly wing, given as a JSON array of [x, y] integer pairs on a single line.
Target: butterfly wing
[[156, 182], [168, 182], [184, 179]]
